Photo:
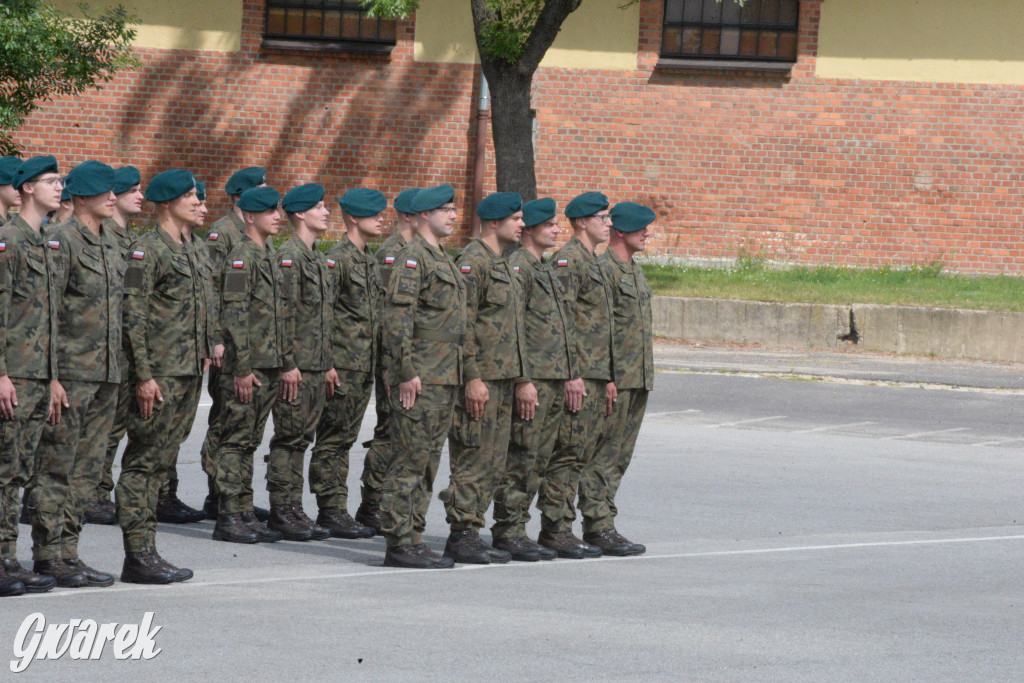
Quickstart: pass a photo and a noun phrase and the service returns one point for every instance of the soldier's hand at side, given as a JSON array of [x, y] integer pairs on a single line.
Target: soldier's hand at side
[[408, 391], [612, 395], [8, 398], [290, 384], [146, 393], [218, 355], [476, 398], [58, 401], [526, 400], [575, 390], [331, 382], [244, 385]]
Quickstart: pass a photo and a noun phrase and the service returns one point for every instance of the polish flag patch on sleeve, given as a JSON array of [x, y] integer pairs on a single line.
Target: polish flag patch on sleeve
[[54, 244], [331, 263], [466, 269], [410, 264], [515, 268], [238, 264], [562, 262], [3, 246], [213, 236], [389, 260], [286, 263], [138, 254]]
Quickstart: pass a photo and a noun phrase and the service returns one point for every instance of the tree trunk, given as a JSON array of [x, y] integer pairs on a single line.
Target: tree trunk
[[512, 127]]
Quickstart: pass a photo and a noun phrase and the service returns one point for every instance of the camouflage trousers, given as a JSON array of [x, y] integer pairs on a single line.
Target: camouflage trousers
[[378, 454], [477, 450], [208, 451], [417, 437], [153, 449], [68, 468], [294, 427], [337, 431], [602, 476], [125, 404], [543, 461], [241, 433], [19, 441]]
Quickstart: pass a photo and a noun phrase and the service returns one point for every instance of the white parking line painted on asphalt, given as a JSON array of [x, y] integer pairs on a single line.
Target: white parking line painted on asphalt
[[745, 422], [998, 442], [291, 576], [827, 428], [918, 435], [667, 413]]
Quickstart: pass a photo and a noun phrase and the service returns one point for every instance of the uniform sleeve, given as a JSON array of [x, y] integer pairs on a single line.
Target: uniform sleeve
[[213, 331], [6, 287], [476, 290], [234, 311], [610, 276], [570, 277], [139, 282], [400, 301], [218, 250], [290, 283]]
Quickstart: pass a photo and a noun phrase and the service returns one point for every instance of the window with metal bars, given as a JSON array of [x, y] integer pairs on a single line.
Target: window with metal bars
[[325, 25], [757, 30]]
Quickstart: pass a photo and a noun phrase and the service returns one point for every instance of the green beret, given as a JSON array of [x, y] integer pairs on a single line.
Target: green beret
[[170, 185], [89, 179], [246, 179], [499, 205], [362, 202], [538, 211], [631, 217], [259, 199], [302, 198], [65, 196], [200, 191], [33, 168], [431, 198], [586, 204], [403, 202], [125, 178], [8, 165]]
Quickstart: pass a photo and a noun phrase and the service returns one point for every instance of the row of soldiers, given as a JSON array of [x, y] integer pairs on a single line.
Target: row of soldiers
[[537, 373]]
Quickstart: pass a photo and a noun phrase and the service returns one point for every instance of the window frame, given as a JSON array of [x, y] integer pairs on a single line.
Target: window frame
[[720, 61], [311, 43]]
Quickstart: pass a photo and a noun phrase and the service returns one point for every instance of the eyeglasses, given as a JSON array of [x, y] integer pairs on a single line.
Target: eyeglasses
[[52, 182], [447, 209], [603, 217]]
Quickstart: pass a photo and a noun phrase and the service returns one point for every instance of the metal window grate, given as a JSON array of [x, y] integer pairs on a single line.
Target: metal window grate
[[761, 30], [325, 21]]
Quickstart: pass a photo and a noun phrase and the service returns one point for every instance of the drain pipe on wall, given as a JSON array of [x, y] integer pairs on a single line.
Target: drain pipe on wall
[[483, 114]]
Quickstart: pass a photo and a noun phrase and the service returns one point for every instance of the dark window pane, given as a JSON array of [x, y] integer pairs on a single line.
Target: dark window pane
[[674, 10], [769, 11], [387, 30], [712, 11], [275, 20], [692, 10], [691, 41], [750, 11], [787, 12], [730, 41], [766, 44], [350, 24], [671, 40], [709, 42], [787, 45], [332, 23], [731, 11], [294, 22], [314, 23], [748, 43]]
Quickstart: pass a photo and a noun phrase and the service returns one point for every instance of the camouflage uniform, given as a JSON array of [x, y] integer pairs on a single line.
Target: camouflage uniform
[[71, 454], [167, 339], [544, 453], [589, 299], [306, 274], [379, 454], [633, 366], [125, 392], [424, 328], [356, 346], [221, 238], [495, 352], [253, 325], [29, 278]]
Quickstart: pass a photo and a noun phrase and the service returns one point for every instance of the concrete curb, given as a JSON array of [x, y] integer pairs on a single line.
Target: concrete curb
[[940, 332]]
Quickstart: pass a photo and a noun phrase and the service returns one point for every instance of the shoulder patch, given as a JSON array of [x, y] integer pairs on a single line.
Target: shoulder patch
[[3, 246], [138, 254], [411, 263], [236, 282], [331, 263], [515, 268], [133, 278], [466, 269], [562, 262], [54, 244], [286, 263], [213, 236], [238, 264], [389, 260]]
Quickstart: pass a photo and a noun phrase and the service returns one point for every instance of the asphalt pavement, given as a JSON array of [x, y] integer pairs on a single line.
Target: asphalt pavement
[[808, 517]]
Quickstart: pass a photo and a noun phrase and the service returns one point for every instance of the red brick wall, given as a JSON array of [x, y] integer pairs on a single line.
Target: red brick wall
[[792, 167]]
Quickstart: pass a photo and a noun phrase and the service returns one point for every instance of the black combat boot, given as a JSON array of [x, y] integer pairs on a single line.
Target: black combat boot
[[611, 542], [10, 586], [263, 534], [34, 583], [411, 557], [100, 512], [171, 510], [295, 511], [93, 577], [178, 573], [519, 547], [286, 525], [232, 529], [567, 545], [369, 514], [66, 575], [466, 547], [142, 567], [342, 525]]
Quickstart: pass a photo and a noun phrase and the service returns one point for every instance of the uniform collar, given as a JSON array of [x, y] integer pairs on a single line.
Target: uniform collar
[[165, 237], [33, 237]]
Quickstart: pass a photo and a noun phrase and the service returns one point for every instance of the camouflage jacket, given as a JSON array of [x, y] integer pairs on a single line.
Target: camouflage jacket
[[124, 241], [197, 246], [589, 300], [253, 311], [221, 238], [495, 336], [306, 274], [89, 313], [424, 316], [632, 336], [166, 319], [386, 254], [550, 341], [28, 296], [357, 307]]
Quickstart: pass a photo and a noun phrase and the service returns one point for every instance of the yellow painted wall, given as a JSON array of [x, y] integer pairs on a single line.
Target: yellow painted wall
[[950, 41], [598, 35], [179, 24]]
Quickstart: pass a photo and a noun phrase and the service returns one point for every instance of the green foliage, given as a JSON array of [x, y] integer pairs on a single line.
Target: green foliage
[[45, 54], [390, 9]]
